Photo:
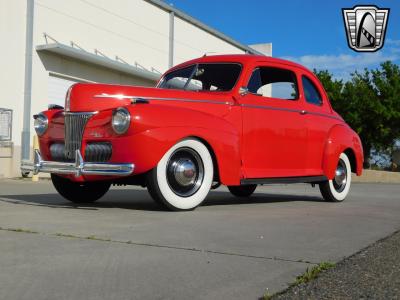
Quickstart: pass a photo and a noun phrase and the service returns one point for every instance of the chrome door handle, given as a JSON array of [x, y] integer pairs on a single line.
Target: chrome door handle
[[303, 112]]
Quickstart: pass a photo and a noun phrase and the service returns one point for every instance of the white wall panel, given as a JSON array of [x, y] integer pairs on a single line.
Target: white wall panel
[[12, 60], [192, 42], [57, 89], [132, 29], [135, 30]]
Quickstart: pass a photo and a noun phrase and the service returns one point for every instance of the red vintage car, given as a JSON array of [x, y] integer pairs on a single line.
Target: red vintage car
[[237, 120]]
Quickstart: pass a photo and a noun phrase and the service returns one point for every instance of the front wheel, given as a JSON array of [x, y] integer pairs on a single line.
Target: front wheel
[[80, 192], [183, 177], [336, 189]]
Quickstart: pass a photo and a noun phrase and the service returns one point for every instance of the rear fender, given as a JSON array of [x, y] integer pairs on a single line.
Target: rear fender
[[341, 138]]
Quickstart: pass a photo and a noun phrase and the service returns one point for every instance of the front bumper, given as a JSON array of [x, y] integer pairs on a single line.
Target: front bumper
[[77, 168]]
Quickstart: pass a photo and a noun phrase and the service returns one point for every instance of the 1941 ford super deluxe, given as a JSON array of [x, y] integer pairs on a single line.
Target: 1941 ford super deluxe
[[237, 120]]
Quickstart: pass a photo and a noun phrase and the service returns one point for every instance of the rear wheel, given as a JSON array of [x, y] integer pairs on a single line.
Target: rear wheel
[[336, 189], [80, 192], [183, 177], [242, 190]]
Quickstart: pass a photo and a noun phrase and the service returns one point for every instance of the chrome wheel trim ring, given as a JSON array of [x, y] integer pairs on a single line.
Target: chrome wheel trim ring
[[340, 179], [185, 172]]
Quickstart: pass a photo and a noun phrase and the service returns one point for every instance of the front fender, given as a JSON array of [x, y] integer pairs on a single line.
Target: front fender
[[156, 128], [146, 149], [341, 138]]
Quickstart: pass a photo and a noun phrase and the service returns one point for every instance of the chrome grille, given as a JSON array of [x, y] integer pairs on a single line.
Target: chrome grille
[[74, 126]]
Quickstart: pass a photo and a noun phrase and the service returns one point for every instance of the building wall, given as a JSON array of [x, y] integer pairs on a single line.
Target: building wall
[[192, 41], [134, 30], [12, 35]]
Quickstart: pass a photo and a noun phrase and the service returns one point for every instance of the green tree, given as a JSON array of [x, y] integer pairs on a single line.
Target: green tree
[[370, 104]]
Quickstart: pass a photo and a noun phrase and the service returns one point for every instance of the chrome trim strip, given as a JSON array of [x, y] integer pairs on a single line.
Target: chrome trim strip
[[189, 100], [300, 111], [324, 115], [217, 102], [80, 112], [77, 168], [270, 107], [118, 96]]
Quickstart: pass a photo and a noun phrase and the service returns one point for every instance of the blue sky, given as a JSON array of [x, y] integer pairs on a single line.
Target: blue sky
[[310, 32]]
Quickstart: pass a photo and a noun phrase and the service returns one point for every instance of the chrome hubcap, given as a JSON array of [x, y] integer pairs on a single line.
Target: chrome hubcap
[[340, 180], [185, 172]]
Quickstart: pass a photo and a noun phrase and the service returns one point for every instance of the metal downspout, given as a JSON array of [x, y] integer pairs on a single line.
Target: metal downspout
[[25, 138], [171, 40]]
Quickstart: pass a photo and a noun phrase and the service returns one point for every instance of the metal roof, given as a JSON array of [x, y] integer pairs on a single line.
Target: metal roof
[[197, 23], [65, 50]]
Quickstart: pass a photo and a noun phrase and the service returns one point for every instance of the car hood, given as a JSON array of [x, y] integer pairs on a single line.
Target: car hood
[[96, 97]]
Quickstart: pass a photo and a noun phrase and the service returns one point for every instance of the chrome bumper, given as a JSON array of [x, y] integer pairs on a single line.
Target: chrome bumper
[[77, 168]]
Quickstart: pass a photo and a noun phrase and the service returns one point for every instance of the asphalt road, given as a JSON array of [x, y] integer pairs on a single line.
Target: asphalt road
[[124, 247]]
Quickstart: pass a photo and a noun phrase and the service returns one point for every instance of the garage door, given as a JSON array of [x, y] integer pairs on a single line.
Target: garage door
[[57, 89]]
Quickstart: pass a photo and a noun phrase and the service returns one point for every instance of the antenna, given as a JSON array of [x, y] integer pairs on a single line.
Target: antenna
[[208, 52]]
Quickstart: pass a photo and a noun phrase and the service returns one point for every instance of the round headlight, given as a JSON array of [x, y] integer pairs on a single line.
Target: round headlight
[[41, 123], [120, 120]]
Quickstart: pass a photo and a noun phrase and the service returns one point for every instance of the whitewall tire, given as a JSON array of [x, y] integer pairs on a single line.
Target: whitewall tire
[[336, 189], [183, 176]]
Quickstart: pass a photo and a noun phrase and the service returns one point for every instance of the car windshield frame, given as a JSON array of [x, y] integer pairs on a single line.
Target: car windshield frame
[[193, 72]]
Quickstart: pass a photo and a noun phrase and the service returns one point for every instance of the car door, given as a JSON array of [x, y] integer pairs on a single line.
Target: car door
[[319, 120], [274, 142]]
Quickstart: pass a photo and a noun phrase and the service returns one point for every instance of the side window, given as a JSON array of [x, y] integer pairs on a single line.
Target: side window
[[273, 83], [311, 92]]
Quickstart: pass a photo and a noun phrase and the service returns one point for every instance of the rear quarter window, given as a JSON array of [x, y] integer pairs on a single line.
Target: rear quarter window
[[311, 92]]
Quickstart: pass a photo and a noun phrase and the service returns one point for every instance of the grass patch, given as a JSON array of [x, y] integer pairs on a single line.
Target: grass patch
[[266, 296], [312, 273]]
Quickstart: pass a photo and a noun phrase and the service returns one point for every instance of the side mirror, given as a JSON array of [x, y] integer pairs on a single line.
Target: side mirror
[[243, 91]]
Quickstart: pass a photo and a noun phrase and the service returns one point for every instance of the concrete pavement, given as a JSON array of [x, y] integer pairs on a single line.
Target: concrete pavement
[[226, 248]]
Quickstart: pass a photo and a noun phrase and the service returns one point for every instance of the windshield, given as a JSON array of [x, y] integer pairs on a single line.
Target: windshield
[[203, 77]]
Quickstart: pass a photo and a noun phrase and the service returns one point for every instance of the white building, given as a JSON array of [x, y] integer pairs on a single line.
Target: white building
[[47, 45]]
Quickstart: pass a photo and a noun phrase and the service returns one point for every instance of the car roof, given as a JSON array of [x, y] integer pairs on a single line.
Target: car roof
[[239, 58]]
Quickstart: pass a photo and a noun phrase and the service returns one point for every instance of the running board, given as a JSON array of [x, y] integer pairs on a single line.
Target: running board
[[301, 179]]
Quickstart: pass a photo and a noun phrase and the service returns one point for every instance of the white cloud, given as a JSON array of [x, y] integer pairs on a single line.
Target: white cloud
[[343, 61], [343, 64]]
